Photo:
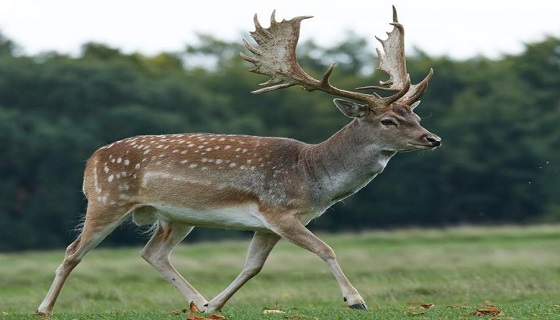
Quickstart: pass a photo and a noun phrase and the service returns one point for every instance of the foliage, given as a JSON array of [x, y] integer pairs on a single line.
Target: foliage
[[498, 120]]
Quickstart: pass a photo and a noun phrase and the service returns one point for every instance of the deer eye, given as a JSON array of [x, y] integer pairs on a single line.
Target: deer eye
[[389, 122]]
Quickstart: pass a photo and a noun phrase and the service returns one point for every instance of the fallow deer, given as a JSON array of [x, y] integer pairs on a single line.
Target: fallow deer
[[272, 186]]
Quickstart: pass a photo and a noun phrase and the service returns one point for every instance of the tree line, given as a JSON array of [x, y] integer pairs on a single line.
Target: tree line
[[498, 119]]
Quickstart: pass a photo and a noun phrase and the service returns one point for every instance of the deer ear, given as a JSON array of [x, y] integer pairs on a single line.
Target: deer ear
[[350, 109], [414, 105]]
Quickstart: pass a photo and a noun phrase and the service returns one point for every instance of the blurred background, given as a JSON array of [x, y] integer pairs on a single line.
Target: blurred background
[[497, 111]]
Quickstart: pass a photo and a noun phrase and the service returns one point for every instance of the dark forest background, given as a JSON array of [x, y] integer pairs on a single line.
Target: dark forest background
[[499, 120]]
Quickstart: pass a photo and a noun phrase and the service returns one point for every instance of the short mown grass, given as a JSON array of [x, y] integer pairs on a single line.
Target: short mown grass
[[419, 273]]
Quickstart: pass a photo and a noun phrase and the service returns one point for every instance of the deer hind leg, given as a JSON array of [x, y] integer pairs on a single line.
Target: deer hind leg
[[290, 228], [261, 245], [100, 222], [157, 252]]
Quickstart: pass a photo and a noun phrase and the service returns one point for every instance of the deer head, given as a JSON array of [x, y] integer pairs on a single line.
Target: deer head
[[390, 119]]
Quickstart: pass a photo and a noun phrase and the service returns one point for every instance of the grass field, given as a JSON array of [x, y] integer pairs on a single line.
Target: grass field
[[503, 272]]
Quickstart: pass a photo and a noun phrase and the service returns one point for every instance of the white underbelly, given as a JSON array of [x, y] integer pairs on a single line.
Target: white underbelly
[[242, 217]]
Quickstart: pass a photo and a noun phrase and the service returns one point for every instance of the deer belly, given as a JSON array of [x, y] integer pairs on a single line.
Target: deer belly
[[241, 217]]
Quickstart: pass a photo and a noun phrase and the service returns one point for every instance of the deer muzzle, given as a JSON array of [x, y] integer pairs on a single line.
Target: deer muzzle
[[432, 140]]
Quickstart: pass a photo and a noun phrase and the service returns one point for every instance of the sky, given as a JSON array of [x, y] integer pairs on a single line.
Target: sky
[[458, 29]]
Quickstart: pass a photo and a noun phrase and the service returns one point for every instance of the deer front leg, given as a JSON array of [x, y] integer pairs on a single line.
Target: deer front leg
[[290, 228], [261, 245]]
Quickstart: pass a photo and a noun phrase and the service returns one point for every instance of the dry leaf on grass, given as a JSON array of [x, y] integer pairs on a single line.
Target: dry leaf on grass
[[414, 304], [267, 311], [276, 309], [193, 307], [490, 310], [206, 317]]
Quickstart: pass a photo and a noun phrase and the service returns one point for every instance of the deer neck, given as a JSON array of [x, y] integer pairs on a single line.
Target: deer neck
[[344, 163]]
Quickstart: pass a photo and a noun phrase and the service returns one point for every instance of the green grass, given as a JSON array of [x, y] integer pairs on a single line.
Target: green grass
[[458, 270]]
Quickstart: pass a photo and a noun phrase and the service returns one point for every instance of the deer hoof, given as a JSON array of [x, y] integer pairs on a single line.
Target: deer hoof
[[359, 306]]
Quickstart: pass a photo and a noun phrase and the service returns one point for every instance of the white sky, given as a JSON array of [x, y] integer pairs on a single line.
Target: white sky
[[460, 29]]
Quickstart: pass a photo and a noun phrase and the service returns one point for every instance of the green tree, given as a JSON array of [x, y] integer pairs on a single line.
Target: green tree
[[498, 120]]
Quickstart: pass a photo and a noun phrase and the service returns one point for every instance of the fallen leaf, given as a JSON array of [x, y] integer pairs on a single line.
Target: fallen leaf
[[490, 310], [193, 307], [427, 306], [209, 317], [276, 309], [414, 314], [267, 311]]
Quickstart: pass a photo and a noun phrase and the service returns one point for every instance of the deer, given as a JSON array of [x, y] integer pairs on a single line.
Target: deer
[[270, 185]]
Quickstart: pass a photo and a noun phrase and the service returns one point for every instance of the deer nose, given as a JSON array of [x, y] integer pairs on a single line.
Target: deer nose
[[434, 140]]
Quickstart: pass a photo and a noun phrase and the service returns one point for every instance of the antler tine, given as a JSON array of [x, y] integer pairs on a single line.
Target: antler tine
[[392, 59], [417, 90], [393, 62]]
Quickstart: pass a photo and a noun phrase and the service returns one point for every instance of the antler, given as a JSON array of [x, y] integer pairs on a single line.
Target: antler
[[393, 62], [276, 57]]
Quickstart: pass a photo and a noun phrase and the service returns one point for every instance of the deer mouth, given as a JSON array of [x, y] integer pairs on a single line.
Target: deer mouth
[[417, 146]]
